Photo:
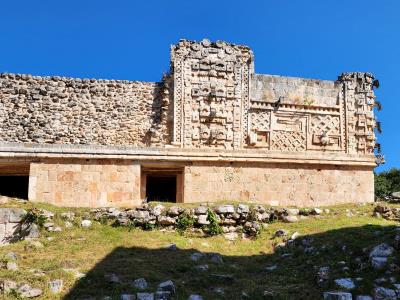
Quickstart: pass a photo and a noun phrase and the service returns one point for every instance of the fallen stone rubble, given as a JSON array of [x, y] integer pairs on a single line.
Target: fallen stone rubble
[[240, 218], [14, 226], [387, 212]]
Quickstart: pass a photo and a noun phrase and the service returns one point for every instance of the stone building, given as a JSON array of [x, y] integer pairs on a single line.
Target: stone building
[[210, 130]]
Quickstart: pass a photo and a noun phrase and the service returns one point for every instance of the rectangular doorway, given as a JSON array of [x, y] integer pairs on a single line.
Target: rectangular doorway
[[161, 188], [14, 179], [162, 185], [14, 186]]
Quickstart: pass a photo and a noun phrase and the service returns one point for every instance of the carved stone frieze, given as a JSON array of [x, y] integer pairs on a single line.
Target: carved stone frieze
[[359, 100], [216, 106], [211, 91]]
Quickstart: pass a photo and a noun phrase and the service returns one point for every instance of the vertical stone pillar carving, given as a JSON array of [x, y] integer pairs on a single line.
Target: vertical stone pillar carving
[[211, 93], [359, 100]]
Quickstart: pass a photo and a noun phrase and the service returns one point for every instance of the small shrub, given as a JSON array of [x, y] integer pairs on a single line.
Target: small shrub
[[148, 226], [34, 216], [213, 228], [103, 220], [184, 222]]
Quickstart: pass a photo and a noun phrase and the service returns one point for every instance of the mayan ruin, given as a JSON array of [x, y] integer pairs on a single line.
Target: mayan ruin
[[212, 129]]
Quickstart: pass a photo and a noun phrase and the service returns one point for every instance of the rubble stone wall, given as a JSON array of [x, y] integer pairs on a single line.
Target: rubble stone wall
[[85, 183], [277, 184], [78, 111]]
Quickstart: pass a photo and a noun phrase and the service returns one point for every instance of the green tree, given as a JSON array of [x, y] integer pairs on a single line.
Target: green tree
[[387, 182]]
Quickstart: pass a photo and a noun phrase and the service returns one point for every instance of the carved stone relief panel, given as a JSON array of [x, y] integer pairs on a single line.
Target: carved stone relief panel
[[260, 127], [288, 132], [359, 101], [211, 89], [288, 141], [212, 106], [325, 132]]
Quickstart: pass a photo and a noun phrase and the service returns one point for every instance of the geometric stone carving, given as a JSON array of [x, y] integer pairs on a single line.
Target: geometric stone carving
[[325, 124], [260, 121], [359, 101], [325, 130], [288, 140], [211, 80]]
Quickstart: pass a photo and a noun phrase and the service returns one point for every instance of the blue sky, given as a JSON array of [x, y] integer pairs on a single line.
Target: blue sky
[[130, 40]]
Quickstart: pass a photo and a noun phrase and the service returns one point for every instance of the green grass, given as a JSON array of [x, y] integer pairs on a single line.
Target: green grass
[[134, 253]]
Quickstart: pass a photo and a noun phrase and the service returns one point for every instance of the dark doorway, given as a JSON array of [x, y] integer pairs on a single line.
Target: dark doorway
[[14, 186], [161, 188]]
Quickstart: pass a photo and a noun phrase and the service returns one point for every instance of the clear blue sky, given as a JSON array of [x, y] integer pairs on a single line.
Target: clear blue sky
[[130, 40]]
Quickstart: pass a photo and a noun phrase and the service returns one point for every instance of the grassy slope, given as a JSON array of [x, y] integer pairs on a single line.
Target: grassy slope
[[135, 253]]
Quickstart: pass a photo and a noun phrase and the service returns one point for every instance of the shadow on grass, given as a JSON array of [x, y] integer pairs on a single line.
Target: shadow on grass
[[345, 251]]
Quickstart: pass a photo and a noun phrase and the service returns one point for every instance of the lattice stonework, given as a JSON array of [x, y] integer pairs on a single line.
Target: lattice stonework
[[260, 121], [288, 141], [325, 124], [178, 101]]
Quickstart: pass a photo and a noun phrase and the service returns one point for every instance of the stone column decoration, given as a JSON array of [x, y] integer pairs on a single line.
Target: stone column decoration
[[359, 101], [211, 93]]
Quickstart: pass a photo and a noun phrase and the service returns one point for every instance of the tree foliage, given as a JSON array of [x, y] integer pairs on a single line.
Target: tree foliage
[[387, 182]]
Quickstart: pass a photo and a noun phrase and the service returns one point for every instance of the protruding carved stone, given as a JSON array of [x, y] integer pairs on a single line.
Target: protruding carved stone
[[359, 101], [212, 82]]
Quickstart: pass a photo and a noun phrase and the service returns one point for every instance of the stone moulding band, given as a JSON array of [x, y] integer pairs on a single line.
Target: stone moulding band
[[32, 151]]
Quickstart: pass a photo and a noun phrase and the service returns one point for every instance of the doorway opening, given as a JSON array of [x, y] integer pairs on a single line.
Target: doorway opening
[[161, 188], [162, 184], [14, 186]]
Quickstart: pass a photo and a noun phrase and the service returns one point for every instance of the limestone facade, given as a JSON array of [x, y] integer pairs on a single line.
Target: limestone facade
[[222, 131], [77, 183]]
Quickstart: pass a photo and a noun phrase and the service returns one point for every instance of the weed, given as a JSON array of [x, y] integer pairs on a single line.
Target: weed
[[184, 222], [213, 228], [35, 216], [148, 226]]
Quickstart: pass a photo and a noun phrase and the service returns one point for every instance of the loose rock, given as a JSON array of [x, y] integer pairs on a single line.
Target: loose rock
[[337, 296], [140, 284], [195, 297], [379, 263], [381, 293], [290, 219], [196, 256], [7, 286], [345, 283], [12, 266], [128, 297], [215, 258], [86, 223], [26, 291], [382, 250], [56, 286], [364, 297], [168, 286], [201, 268], [145, 296], [225, 209], [11, 256]]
